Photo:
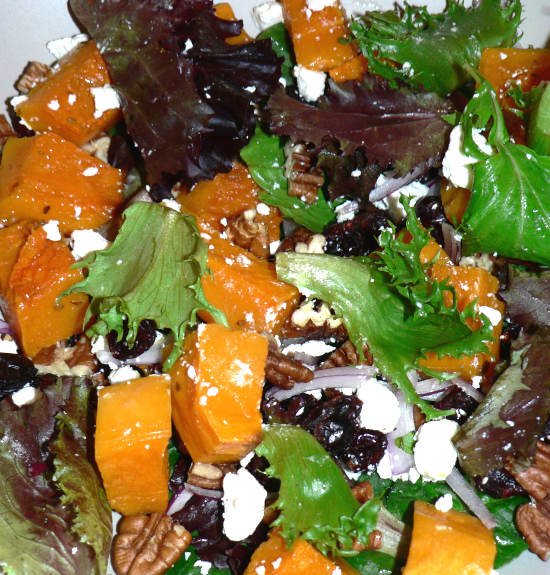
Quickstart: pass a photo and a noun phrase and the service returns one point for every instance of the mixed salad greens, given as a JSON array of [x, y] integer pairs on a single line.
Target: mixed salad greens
[[193, 105]]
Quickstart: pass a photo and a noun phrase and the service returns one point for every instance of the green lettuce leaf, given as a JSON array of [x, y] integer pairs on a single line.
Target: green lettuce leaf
[[375, 563], [190, 564], [151, 271], [388, 303], [434, 50], [315, 501], [282, 46], [77, 479], [265, 159]]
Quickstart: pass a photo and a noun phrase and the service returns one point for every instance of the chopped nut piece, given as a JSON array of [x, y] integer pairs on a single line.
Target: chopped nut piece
[[33, 74], [148, 545], [5, 131], [284, 371], [534, 525], [62, 359], [244, 231], [536, 478], [345, 355], [205, 475], [304, 180]]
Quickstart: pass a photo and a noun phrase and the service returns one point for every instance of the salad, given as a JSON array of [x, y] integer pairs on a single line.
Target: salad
[[280, 302]]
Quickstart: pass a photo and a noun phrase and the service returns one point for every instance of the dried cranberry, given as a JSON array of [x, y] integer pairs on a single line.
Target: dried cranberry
[[356, 237], [145, 338], [429, 211], [499, 484], [366, 449], [457, 399], [16, 371]]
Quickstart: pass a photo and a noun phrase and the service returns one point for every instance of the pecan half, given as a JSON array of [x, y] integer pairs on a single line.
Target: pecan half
[[5, 131], [534, 524], [148, 545], [284, 371], [304, 180], [244, 231], [363, 491], [300, 235], [33, 74], [347, 354], [205, 475], [64, 359], [536, 478]]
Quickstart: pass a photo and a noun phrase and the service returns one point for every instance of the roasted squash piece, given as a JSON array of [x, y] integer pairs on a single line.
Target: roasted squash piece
[[246, 288], [40, 272], [64, 103], [217, 387], [12, 239], [133, 427], [449, 542], [48, 178], [273, 557], [353, 69], [316, 35]]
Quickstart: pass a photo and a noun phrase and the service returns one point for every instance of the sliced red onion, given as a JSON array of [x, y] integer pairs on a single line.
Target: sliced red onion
[[203, 492], [469, 497], [177, 503], [393, 184], [401, 461], [452, 242], [468, 388], [431, 389], [4, 327], [333, 378]]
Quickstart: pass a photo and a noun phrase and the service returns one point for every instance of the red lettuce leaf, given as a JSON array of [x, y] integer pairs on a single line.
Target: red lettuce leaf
[[35, 524], [185, 93], [391, 127], [508, 422], [528, 301]]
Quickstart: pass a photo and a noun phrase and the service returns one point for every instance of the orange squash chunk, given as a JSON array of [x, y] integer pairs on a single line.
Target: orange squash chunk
[[225, 12], [48, 178], [226, 196], [316, 35], [273, 557], [63, 103], [246, 288], [133, 427], [470, 283], [455, 201], [353, 69], [12, 240], [217, 387], [40, 272], [448, 542]]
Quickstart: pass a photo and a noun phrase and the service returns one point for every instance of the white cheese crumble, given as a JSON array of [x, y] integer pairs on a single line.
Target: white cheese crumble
[[434, 453], [493, 315], [444, 503], [54, 105], [52, 230], [8, 346], [380, 409], [61, 46], [415, 190], [91, 171], [172, 204], [25, 396], [318, 5], [83, 242], [315, 348], [124, 373], [311, 84], [267, 14], [243, 504], [346, 210], [105, 98]]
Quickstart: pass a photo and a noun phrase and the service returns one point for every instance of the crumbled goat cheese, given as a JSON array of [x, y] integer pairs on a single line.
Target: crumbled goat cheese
[[380, 409], [83, 242], [61, 46], [483, 261], [267, 14], [124, 373], [172, 204], [52, 230], [493, 314], [8, 346], [311, 84], [456, 165], [100, 348], [243, 504], [346, 210], [105, 98], [434, 452], [312, 347], [98, 148], [25, 396], [414, 191], [318, 5], [444, 503]]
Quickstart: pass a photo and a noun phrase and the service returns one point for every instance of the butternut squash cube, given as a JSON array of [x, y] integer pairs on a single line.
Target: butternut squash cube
[[40, 272], [64, 102], [451, 542], [217, 387], [246, 288], [273, 557], [48, 178], [133, 427]]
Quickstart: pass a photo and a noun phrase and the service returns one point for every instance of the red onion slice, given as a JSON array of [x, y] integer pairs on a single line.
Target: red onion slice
[[203, 492], [468, 388], [177, 503], [333, 378], [4, 327], [452, 243], [469, 497], [401, 461]]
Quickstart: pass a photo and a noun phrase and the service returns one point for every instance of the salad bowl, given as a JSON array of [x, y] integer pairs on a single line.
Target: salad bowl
[[26, 26]]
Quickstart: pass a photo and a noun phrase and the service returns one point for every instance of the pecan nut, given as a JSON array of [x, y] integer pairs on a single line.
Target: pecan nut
[[205, 475], [304, 180], [148, 544], [244, 231], [534, 525], [33, 74], [284, 371], [346, 355], [536, 478], [5, 131]]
